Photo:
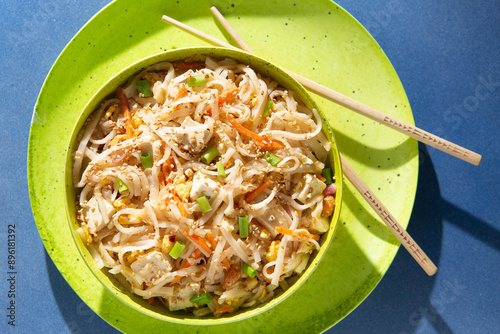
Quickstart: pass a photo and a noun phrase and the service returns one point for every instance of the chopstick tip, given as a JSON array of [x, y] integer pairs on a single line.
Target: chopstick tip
[[215, 11], [479, 159]]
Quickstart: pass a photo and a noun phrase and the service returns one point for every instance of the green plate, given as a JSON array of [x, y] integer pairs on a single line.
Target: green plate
[[316, 39]]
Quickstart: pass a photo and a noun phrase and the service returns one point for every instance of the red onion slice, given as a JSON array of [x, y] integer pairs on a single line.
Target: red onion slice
[[330, 189]]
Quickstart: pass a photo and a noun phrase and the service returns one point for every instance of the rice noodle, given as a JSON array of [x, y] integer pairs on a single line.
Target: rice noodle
[[133, 212]]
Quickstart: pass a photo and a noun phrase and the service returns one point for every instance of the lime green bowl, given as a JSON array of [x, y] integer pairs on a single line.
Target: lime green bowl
[[266, 69]]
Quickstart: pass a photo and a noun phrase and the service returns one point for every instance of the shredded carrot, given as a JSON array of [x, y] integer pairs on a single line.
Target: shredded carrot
[[151, 300], [228, 95], [259, 140], [320, 177], [182, 92], [184, 66], [297, 233], [126, 111], [167, 168], [212, 241], [180, 206], [254, 193], [199, 241], [209, 112], [226, 263], [175, 280], [223, 309], [283, 230], [196, 253]]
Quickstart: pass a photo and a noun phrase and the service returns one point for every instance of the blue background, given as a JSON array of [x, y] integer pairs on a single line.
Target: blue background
[[447, 56]]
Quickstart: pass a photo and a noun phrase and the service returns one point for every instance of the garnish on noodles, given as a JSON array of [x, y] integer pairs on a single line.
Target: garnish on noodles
[[201, 186]]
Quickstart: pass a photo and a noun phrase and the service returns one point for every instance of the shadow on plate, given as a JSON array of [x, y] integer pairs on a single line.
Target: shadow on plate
[[373, 156], [146, 24], [78, 316], [403, 299]]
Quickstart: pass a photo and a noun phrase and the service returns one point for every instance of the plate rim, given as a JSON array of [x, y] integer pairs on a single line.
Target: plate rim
[[32, 194]]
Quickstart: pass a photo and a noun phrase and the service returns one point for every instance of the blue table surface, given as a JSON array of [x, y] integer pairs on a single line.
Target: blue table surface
[[447, 56]]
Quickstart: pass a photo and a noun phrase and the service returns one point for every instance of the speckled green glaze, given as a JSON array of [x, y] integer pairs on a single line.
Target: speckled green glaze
[[314, 38]]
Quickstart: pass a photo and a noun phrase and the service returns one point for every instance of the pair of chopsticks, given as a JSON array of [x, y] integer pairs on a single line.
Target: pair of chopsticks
[[343, 100], [406, 240]]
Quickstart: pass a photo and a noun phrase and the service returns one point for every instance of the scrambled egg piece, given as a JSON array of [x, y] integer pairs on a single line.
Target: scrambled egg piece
[[272, 251]]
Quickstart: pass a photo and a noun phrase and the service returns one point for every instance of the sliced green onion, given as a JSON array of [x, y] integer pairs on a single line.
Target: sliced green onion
[[177, 249], [143, 87], [146, 160], [204, 204], [196, 81], [327, 174], [220, 169], [249, 270], [269, 106], [243, 220], [272, 159], [122, 186], [202, 299], [209, 155]]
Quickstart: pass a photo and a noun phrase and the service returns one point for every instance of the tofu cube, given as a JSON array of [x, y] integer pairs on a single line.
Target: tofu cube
[[196, 140], [319, 224], [308, 188], [150, 266], [203, 186]]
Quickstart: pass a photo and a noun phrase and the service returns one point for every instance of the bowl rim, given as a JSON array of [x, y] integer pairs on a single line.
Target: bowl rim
[[272, 71]]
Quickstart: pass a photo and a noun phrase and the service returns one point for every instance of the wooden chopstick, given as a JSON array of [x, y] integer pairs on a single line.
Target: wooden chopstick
[[404, 237], [396, 228], [237, 38], [345, 101], [417, 253]]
